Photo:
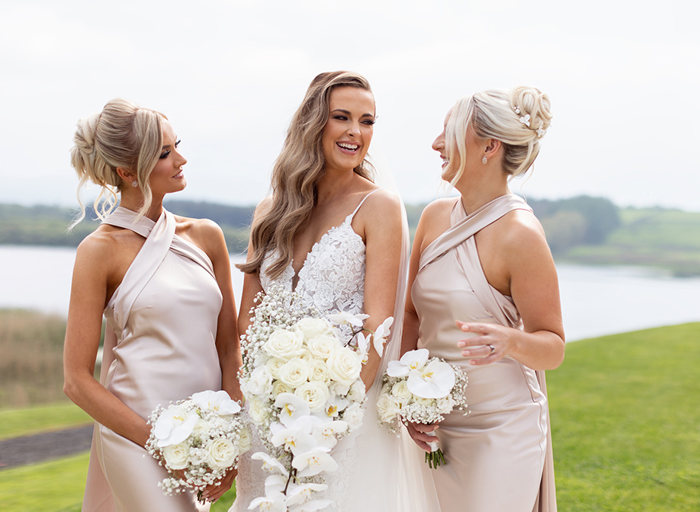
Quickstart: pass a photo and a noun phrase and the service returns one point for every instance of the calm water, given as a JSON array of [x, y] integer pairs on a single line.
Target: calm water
[[595, 300]]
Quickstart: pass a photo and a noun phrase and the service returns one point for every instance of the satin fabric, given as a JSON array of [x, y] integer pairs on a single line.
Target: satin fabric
[[499, 456], [159, 347]]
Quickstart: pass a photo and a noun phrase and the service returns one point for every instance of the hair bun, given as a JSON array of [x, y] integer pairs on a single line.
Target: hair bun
[[532, 106]]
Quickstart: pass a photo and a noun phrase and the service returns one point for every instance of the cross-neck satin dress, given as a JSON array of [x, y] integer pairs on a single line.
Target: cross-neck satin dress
[[499, 456], [159, 347]]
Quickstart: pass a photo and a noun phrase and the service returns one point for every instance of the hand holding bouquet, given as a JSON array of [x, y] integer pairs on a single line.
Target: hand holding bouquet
[[421, 389], [198, 440]]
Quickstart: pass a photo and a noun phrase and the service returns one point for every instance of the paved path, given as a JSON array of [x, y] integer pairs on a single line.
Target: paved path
[[19, 451]]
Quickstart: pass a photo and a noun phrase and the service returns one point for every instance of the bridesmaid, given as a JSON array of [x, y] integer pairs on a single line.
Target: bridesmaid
[[164, 285], [484, 295]]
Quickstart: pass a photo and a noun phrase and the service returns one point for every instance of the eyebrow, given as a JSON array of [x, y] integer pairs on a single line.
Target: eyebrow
[[348, 112], [166, 146]]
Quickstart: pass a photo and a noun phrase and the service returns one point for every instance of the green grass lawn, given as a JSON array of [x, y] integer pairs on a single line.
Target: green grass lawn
[[625, 421], [30, 420]]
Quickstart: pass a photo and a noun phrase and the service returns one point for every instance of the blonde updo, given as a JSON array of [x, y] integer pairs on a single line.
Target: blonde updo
[[122, 135], [519, 119]]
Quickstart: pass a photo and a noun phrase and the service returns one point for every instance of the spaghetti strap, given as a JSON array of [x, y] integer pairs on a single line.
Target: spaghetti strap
[[352, 215]]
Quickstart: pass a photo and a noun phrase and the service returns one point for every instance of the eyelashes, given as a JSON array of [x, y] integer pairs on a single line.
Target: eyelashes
[[166, 153]]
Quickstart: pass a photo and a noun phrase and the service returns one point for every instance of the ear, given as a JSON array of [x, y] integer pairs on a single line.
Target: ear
[[126, 174], [492, 147]]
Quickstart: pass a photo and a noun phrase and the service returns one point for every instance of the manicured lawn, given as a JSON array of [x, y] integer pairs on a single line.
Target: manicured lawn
[[626, 422], [30, 420]]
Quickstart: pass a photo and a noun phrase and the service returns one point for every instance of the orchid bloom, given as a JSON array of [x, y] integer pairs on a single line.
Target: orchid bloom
[[300, 494], [292, 407], [270, 503], [270, 463], [412, 360], [311, 506], [314, 462], [217, 401], [325, 432], [297, 438], [436, 380], [381, 334], [174, 426], [363, 345], [344, 318]]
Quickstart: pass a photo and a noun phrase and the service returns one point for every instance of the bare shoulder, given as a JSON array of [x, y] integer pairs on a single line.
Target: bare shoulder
[[438, 210], [434, 221], [382, 202], [103, 243], [520, 236], [205, 234]]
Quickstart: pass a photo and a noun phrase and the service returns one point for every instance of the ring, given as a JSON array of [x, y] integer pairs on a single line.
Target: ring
[[493, 349]]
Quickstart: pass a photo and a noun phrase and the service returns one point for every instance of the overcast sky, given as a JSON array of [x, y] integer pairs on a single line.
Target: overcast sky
[[623, 78]]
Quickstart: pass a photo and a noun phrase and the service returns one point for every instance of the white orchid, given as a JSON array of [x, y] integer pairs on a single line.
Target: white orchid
[[314, 462], [300, 494], [311, 506], [335, 405], [174, 426], [436, 380], [344, 318], [381, 334], [363, 343], [270, 463], [412, 360], [296, 438], [274, 502], [217, 401], [291, 407], [325, 432]]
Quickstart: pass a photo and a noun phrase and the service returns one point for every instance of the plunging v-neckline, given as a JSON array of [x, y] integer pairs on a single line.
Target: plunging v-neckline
[[296, 275]]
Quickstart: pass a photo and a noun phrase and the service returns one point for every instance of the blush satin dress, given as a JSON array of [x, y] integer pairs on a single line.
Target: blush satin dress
[[499, 456], [159, 347]]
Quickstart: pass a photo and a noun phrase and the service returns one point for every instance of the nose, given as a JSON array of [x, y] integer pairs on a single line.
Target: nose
[[181, 160], [354, 129], [439, 142]]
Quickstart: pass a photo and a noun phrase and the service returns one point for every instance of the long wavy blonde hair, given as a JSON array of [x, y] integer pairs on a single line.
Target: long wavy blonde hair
[[296, 173]]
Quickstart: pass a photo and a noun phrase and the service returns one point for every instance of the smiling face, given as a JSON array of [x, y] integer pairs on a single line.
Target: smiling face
[[449, 165], [167, 176], [348, 131]]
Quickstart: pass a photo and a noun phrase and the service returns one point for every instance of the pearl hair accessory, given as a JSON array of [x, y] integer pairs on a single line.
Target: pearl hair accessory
[[134, 183], [526, 121]]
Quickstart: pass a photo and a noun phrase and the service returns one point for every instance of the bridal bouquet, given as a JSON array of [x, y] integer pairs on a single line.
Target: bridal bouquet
[[197, 440], [304, 392], [419, 389]]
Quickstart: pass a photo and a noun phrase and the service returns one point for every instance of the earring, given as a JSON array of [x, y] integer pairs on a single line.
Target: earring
[[134, 183], [484, 160]]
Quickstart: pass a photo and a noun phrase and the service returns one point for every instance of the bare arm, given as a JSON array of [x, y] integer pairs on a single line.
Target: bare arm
[[534, 288], [93, 263], [383, 258]]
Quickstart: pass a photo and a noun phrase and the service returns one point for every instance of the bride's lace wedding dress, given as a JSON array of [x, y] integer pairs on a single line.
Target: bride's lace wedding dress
[[370, 475]]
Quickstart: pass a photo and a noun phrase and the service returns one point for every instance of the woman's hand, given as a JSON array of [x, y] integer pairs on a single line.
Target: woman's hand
[[214, 492], [491, 343], [420, 433]]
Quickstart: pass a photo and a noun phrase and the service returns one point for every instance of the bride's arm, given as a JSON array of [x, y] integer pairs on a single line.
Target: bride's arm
[[95, 257], [383, 238]]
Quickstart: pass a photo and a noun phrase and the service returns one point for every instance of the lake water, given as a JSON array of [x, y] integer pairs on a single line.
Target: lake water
[[595, 300]]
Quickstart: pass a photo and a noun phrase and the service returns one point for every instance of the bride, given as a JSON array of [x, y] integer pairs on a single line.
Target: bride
[[332, 235]]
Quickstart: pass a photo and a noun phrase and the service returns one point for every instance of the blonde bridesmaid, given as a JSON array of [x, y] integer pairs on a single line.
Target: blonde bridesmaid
[[484, 295]]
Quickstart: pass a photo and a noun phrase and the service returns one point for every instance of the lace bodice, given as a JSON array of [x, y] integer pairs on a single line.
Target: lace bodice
[[332, 277]]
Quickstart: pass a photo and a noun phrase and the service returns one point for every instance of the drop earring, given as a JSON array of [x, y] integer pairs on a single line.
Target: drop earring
[[134, 183], [484, 160]]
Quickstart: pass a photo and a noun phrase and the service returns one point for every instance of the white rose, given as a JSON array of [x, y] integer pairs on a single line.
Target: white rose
[[323, 346], [260, 382], [312, 327], [201, 428], [353, 416], [273, 365], [222, 453], [257, 410], [319, 372], [176, 455], [283, 343], [338, 388], [307, 356], [199, 456], [315, 394], [280, 387], [387, 408], [294, 373], [425, 402], [357, 391], [344, 366], [401, 393], [245, 440], [445, 405]]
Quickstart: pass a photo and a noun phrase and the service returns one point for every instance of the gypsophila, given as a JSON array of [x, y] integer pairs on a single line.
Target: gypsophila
[[421, 389], [201, 438], [303, 388]]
